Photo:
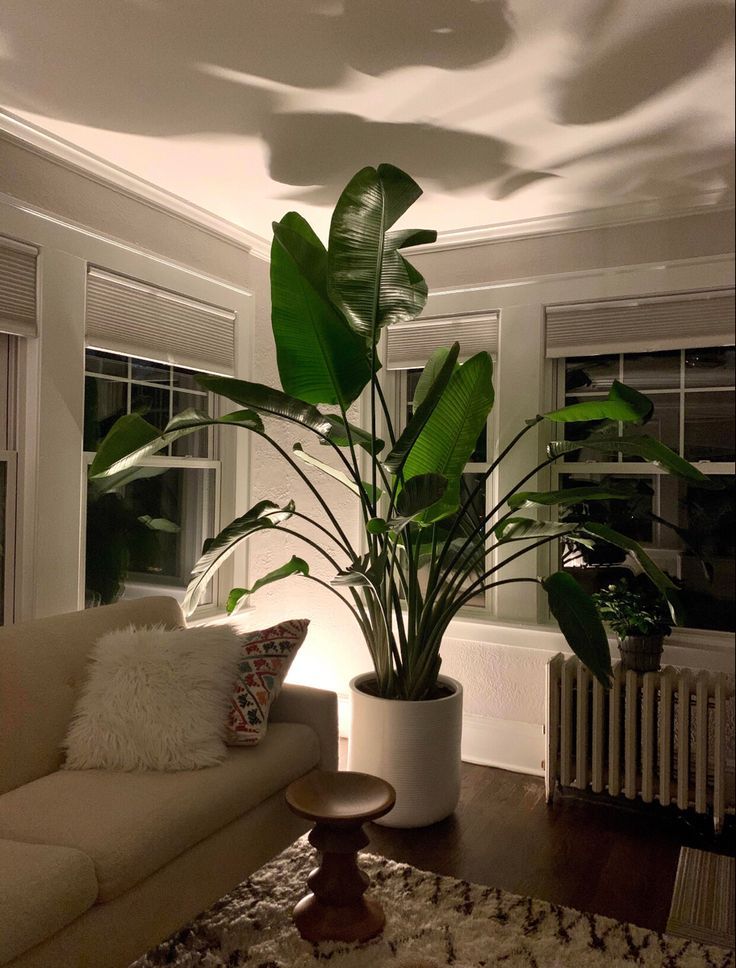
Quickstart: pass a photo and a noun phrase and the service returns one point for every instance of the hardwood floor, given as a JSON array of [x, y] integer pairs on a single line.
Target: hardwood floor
[[591, 855]]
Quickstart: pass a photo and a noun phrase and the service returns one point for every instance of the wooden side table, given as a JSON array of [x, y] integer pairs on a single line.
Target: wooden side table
[[337, 907]]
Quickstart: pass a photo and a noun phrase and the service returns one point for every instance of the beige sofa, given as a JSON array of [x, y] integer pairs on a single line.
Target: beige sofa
[[96, 867]]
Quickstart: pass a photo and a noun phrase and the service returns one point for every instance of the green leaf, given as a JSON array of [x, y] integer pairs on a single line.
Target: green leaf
[[569, 495], [364, 572], [517, 529], [372, 494], [404, 238], [661, 581], [320, 358], [260, 517], [420, 492], [264, 400], [377, 526], [159, 524], [429, 374], [580, 623], [431, 394], [367, 279], [448, 438], [132, 439], [127, 434], [623, 403], [338, 435], [637, 445], [295, 566]]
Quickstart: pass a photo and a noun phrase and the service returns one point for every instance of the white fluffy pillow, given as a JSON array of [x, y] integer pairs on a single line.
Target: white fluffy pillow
[[155, 699]]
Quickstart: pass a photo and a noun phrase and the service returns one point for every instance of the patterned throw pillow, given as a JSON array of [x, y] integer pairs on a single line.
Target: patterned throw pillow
[[265, 657]]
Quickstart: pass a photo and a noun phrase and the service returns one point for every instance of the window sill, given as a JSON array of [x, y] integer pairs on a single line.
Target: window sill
[[697, 648]]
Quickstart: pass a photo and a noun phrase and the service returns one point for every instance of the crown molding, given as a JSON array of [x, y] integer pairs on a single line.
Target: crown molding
[[69, 156], [105, 172], [678, 206]]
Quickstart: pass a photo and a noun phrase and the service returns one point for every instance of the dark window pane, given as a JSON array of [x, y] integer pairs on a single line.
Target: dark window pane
[[709, 426], [583, 373], [664, 423], [710, 521], [151, 372], [652, 371], [104, 402], [710, 367], [186, 379], [149, 534], [96, 361], [152, 402], [193, 445]]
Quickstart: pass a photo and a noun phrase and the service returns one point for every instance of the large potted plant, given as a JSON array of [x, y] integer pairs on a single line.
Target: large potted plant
[[424, 550]]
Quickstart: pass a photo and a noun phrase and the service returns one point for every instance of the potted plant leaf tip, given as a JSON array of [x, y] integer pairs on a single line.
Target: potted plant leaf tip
[[425, 550], [639, 616]]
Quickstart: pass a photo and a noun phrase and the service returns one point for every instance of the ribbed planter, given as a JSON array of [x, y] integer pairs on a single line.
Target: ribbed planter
[[641, 653], [415, 746]]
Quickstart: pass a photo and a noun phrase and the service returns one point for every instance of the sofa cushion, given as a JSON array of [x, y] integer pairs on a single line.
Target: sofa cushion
[[44, 662], [264, 660], [42, 889], [155, 699], [131, 824]]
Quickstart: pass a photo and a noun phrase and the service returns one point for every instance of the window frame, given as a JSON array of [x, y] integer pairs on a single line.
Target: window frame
[[8, 458], [639, 469]]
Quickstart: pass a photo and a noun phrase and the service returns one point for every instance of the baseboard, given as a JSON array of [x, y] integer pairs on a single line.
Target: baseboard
[[504, 743]]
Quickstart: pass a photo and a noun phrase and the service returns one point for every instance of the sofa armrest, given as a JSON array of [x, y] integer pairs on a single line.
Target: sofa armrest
[[318, 709]]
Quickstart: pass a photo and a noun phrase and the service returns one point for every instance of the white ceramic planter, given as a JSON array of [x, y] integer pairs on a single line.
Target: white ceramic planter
[[415, 746]]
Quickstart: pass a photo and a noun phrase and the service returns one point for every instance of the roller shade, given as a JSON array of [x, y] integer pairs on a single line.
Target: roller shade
[[409, 345], [130, 317], [18, 288], [645, 324]]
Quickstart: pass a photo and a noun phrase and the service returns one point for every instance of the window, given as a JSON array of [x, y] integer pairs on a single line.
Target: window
[[688, 531], [143, 538]]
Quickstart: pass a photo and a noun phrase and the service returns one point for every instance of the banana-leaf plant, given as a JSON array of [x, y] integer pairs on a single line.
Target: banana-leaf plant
[[425, 553]]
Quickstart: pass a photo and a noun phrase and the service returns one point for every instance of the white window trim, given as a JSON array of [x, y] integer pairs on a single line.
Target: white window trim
[[49, 548], [521, 304]]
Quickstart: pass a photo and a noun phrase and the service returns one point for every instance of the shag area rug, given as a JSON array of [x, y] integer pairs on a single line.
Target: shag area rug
[[432, 921]]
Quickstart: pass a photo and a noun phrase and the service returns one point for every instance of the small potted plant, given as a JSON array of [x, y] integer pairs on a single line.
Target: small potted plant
[[640, 617]]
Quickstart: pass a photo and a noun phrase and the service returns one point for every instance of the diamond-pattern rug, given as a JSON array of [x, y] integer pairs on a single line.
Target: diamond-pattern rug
[[432, 922]]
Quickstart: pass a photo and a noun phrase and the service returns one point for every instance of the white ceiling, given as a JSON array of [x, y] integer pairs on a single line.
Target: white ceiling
[[501, 109]]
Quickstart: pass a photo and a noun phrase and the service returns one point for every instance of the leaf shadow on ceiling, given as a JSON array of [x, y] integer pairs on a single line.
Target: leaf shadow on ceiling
[[137, 67], [452, 160], [616, 74], [673, 159]]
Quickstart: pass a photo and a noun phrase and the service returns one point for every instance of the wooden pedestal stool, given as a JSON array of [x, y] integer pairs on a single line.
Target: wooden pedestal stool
[[337, 907]]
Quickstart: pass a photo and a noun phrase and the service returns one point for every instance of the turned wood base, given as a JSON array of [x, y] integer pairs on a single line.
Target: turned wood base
[[355, 922], [337, 907]]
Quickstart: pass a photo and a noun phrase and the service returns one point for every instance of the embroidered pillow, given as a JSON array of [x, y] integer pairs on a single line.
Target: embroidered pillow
[[265, 657], [155, 699]]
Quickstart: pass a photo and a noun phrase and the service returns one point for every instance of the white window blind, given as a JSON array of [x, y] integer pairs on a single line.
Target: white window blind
[[410, 345], [645, 324], [18, 288], [136, 319]]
